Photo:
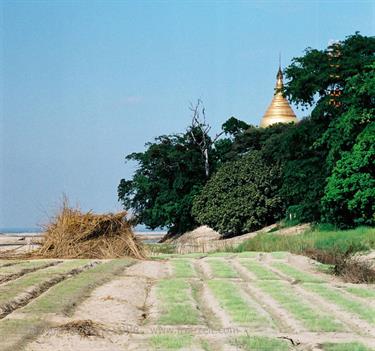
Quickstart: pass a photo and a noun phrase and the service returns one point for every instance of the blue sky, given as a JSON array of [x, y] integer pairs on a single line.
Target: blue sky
[[84, 83]]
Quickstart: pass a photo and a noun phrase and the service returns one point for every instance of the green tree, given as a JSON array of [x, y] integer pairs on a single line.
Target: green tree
[[241, 196], [303, 174], [170, 172], [350, 193], [359, 101]]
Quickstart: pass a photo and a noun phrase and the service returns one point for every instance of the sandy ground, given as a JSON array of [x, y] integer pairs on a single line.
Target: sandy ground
[[27, 242], [127, 310], [205, 239]]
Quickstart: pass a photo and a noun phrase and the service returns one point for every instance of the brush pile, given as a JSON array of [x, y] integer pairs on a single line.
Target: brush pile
[[74, 234]]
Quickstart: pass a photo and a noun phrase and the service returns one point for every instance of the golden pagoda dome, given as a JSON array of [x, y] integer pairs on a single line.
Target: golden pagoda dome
[[279, 110]]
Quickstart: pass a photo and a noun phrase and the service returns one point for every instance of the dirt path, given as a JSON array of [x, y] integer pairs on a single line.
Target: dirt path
[[126, 311]]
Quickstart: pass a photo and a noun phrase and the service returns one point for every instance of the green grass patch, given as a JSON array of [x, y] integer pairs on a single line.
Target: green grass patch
[[16, 333], [260, 271], [221, 269], [176, 304], [10, 262], [260, 343], [220, 254], [364, 312], [311, 318], [18, 286], [352, 346], [361, 292], [63, 297], [296, 273], [23, 265], [279, 255], [325, 268], [248, 254], [190, 255], [359, 239], [170, 342], [206, 346], [182, 268], [231, 301]]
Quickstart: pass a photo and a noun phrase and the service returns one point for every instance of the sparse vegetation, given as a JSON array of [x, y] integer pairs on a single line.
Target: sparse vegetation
[[296, 273], [336, 297], [188, 301], [260, 343], [260, 272], [182, 268], [18, 286], [221, 269], [361, 292], [62, 298], [170, 342], [231, 301], [313, 319], [351, 346], [280, 255], [176, 303]]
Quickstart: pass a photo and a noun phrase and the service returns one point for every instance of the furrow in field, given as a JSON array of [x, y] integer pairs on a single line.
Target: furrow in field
[[203, 269], [11, 272], [294, 274], [350, 305], [341, 301], [354, 323], [243, 311], [283, 319], [176, 304], [220, 268], [57, 303], [259, 270], [182, 268], [309, 315], [35, 287], [216, 317], [4, 264], [363, 294]]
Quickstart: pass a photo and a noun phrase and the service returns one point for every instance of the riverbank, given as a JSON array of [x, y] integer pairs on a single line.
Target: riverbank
[[22, 242]]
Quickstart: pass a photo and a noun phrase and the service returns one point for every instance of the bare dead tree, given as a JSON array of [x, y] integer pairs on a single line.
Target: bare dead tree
[[203, 140]]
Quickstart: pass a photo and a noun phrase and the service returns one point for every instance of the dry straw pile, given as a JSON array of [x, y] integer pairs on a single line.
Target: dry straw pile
[[74, 234]]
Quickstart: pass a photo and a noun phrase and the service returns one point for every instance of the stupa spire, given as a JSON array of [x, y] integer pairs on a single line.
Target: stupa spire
[[279, 110]]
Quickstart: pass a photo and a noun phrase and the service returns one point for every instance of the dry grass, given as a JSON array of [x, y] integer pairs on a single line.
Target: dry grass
[[355, 271], [84, 328], [74, 234], [350, 268]]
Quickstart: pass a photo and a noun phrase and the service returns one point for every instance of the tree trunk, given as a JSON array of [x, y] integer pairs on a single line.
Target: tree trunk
[[206, 163]]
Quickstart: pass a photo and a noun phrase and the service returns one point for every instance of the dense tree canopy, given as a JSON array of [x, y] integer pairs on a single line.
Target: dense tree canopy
[[170, 172], [350, 192], [241, 196]]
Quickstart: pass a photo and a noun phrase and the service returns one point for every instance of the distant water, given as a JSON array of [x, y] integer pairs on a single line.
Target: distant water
[[140, 230], [18, 230]]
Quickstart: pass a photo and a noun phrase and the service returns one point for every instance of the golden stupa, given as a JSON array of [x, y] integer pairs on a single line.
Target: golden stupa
[[279, 111]]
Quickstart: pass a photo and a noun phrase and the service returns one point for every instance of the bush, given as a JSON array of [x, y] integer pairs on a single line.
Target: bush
[[241, 197]]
